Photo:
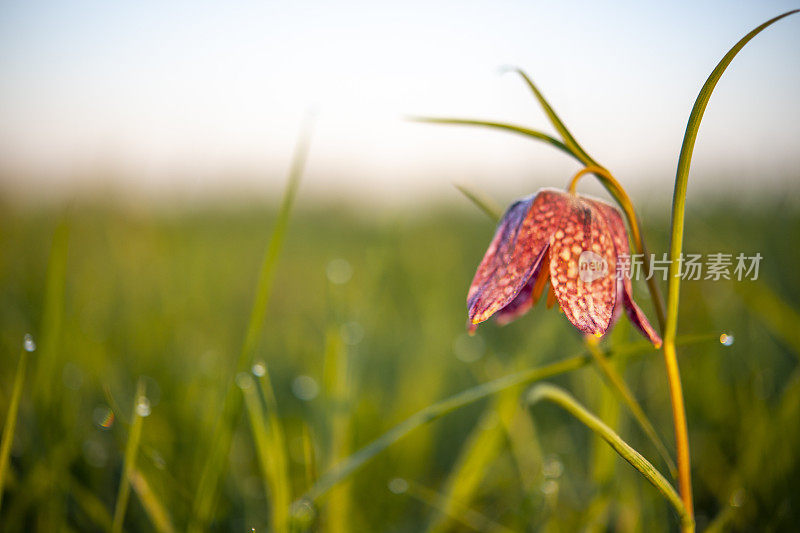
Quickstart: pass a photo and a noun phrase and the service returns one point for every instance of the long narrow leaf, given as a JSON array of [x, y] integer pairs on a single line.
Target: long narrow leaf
[[570, 141], [483, 202], [13, 408], [676, 246], [268, 460], [565, 400], [280, 483], [458, 512], [513, 128], [684, 164], [204, 500], [437, 410], [157, 513], [129, 461], [624, 393]]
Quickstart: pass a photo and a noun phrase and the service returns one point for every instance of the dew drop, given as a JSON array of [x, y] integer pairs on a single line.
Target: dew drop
[[259, 369], [726, 339], [28, 343], [305, 387], [550, 487], [244, 381], [738, 497], [398, 485], [352, 333], [142, 406], [303, 512], [339, 271], [552, 467], [103, 417]]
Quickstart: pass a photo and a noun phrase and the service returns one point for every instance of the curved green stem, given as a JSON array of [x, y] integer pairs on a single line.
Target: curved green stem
[[561, 397], [611, 185], [351, 464], [512, 128], [676, 244]]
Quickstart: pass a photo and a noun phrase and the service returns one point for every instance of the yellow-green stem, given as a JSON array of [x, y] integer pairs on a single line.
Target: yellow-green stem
[[675, 249]]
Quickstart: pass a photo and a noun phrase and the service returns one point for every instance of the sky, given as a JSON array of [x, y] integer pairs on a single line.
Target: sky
[[198, 99]]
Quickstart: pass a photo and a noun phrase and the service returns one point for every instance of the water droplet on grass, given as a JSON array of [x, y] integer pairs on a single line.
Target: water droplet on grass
[[303, 512], [259, 369], [244, 381], [738, 497], [552, 467], [28, 343], [103, 416], [725, 339], [352, 333], [398, 485], [339, 271], [305, 387], [550, 487], [143, 406]]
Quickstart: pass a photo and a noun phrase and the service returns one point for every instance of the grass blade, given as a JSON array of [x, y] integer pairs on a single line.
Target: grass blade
[[624, 393], [91, 505], [347, 467], [45, 379], [676, 245], [458, 512], [270, 448], [158, 515], [337, 387], [204, 500], [482, 201], [129, 462], [13, 408], [565, 400], [570, 142], [513, 128], [684, 164], [478, 452]]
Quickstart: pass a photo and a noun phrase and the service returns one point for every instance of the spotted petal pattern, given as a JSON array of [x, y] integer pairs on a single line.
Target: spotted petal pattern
[[516, 250], [583, 265], [620, 236]]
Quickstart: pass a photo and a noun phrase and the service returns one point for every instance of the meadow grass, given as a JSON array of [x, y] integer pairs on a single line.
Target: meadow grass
[[167, 295]]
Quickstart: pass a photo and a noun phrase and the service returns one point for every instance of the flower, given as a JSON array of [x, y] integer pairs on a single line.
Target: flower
[[579, 244]]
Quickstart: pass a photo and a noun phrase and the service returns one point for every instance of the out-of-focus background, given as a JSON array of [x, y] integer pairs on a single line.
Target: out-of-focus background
[[144, 148]]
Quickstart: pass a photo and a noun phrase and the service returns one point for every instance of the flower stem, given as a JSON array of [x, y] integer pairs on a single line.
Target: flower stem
[[676, 246], [681, 429]]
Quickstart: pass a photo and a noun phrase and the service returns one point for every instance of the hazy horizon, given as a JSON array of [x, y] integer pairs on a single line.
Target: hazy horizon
[[188, 101]]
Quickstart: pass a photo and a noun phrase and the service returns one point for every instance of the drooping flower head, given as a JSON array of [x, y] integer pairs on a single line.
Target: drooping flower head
[[576, 244]]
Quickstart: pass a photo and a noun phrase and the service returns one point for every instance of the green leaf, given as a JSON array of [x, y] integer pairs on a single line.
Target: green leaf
[[513, 128], [482, 201], [11, 416], [570, 141], [204, 500], [129, 461], [684, 163], [624, 393], [564, 399], [351, 464]]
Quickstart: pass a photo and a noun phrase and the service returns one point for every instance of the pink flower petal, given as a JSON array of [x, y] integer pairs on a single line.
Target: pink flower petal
[[583, 265], [620, 236], [513, 254], [523, 302]]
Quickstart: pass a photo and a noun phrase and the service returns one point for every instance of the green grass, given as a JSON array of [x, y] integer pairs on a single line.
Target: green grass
[[167, 295]]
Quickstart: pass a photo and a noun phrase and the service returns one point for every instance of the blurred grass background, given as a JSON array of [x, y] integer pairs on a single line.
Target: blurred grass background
[[366, 326]]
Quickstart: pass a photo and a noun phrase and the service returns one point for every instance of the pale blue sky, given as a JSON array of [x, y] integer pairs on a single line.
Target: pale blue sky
[[198, 97]]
